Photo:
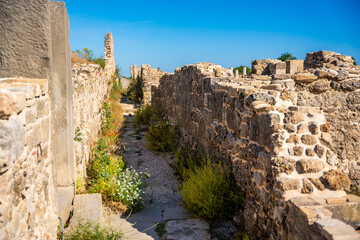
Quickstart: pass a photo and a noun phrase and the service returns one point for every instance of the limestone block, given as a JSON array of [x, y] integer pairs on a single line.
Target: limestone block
[[307, 187], [286, 184], [310, 165], [317, 183], [336, 179], [41, 109], [305, 78], [294, 66], [309, 139], [12, 137], [282, 164], [27, 116], [7, 106]]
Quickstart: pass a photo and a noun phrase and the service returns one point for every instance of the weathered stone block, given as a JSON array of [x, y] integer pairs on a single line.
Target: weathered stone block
[[336, 179], [309, 139], [307, 187], [286, 184], [305, 78], [310, 165]]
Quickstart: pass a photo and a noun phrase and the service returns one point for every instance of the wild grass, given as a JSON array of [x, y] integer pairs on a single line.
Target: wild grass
[[93, 231]]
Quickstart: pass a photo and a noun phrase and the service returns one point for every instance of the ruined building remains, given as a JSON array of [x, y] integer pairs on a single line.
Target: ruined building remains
[[148, 77], [290, 133]]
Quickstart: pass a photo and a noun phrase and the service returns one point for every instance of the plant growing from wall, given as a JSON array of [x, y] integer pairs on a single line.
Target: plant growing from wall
[[89, 56], [78, 134]]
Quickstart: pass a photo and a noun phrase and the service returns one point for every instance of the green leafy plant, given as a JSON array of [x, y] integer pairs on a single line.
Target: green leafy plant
[[355, 64], [186, 161], [134, 92], [161, 137], [89, 56], [108, 176], [160, 229], [78, 134], [240, 69], [241, 236], [210, 192], [93, 231], [286, 56], [147, 115]]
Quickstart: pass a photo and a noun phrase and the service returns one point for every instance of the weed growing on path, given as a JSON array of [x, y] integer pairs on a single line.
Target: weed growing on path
[[209, 191], [93, 231]]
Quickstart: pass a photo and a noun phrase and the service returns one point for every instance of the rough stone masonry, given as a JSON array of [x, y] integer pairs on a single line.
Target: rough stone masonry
[[290, 133], [42, 101]]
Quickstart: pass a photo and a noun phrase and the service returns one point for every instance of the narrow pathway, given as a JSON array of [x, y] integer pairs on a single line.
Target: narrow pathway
[[163, 202]]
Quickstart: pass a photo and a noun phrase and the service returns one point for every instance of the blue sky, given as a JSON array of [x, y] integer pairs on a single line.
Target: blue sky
[[170, 34]]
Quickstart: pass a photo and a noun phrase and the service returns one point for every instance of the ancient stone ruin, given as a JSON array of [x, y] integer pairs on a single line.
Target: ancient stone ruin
[[42, 101], [290, 131], [148, 77]]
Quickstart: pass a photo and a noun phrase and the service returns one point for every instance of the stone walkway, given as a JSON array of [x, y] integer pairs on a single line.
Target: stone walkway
[[163, 202]]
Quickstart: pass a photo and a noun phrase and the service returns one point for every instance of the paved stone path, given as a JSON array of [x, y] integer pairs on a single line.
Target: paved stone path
[[163, 202]]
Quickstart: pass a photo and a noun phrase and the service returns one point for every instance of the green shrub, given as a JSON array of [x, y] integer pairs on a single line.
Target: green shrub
[[210, 192], [187, 161], [134, 92], [147, 115], [161, 137], [116, 89], [108, 176], [93, 231]]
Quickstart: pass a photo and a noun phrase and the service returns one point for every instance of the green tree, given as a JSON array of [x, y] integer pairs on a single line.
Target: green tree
[[354, 61], [240, 68], [286, 56]]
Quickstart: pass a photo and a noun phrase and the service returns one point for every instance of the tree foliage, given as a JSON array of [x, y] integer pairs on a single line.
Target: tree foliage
[[240, 68], [286, 56], [355, 64]]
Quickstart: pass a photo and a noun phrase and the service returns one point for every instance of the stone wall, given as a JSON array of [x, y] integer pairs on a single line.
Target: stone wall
[[91, 89], [27, 178], [39, 104], [148, 76], [276, 143]]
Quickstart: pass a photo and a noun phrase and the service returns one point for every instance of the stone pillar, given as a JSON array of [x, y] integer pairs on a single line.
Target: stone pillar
[[109, 54], [61, 91], [244, 71], [236, 73]]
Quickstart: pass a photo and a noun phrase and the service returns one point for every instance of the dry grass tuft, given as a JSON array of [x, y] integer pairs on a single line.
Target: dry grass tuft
[[75, 58]]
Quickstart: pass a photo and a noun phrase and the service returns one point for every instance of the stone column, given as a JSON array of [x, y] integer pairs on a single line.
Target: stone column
[[109, 54], [244, 71], [236, 73]]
